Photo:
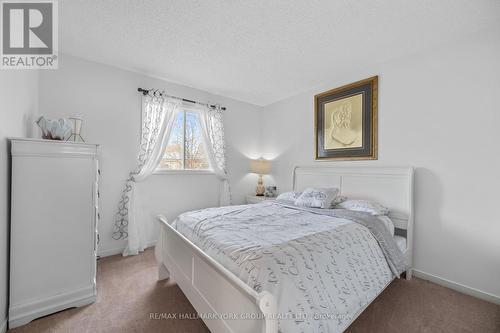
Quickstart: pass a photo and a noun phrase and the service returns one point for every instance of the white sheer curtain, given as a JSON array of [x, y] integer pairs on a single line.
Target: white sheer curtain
[[212, 124], [158, 116]]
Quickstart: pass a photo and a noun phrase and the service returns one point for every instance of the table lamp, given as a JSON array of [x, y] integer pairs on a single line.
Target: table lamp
[[260, 167]]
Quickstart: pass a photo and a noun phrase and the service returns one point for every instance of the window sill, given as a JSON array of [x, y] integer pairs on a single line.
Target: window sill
[[183, 172]]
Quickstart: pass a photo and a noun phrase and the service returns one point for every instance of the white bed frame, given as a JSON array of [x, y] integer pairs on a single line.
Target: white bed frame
[[221, 298]]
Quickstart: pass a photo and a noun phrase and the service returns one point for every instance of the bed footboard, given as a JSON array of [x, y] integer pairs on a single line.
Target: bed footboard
[[224, 302]]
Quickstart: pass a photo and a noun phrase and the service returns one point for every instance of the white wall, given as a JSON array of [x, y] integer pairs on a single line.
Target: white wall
[[108, 100], [18, 108], [439, 111]]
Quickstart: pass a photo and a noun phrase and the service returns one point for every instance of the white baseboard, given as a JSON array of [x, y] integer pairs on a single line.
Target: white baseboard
[[109, 252], [457, 286], [21, 314], [3, 325], [119, 250]]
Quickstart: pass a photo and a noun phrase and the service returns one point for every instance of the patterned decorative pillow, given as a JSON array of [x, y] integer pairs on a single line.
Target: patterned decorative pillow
[[317, 197], [289, 196], [371, 207]]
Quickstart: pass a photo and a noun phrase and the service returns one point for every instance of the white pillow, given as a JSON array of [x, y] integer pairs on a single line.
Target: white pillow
[[289, 196], [317, 197], [371, 207]]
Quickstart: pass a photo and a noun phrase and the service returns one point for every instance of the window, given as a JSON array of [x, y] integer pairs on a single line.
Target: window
[[185, 149]]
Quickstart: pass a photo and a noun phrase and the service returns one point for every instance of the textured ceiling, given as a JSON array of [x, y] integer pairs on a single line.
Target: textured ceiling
[[261, 51]]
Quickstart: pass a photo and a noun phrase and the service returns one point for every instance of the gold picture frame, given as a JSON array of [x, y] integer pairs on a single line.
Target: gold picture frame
[[345, 122]]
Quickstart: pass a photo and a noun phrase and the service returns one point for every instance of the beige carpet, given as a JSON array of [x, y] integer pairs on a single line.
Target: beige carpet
[[128, 293]]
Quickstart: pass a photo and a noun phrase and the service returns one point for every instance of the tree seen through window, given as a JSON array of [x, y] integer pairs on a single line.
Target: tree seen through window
[[185, 149]]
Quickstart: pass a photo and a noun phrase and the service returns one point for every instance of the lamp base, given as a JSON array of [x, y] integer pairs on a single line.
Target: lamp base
[[260, 190]]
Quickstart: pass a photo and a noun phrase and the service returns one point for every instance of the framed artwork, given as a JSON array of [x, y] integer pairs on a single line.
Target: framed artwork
[[346, 122]]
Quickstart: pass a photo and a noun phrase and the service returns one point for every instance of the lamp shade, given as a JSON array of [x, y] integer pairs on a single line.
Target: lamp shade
[[260, 166]]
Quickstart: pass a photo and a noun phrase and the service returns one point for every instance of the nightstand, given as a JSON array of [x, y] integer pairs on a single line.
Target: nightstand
[[253, 199]]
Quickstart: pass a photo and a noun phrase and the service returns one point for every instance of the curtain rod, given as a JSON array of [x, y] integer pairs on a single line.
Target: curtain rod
[[147, 91]]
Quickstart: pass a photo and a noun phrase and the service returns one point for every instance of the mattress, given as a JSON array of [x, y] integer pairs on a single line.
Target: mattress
[[323, 270]]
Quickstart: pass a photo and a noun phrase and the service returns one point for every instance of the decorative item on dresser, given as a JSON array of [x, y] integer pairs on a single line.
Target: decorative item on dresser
[[54, 129], [53, 238], [76, 129], [260, 167], [252, 198]]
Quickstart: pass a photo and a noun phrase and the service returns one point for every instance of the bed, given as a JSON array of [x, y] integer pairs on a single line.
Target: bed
[[246, 268]]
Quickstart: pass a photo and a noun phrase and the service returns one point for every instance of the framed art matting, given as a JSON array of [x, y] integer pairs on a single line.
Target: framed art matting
[[346, 122]]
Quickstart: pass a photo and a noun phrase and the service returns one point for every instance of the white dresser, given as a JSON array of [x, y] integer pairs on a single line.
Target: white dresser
[[53, 230]]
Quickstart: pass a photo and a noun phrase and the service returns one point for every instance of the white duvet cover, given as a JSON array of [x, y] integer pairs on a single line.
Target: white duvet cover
[[322, 270]]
